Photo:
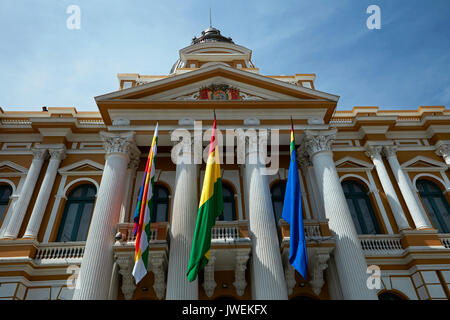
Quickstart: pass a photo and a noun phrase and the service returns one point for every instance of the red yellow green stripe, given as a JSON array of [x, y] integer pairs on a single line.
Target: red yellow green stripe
[[210, 207]]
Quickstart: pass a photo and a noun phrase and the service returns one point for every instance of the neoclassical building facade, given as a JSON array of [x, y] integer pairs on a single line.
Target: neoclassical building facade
[[375, 190]]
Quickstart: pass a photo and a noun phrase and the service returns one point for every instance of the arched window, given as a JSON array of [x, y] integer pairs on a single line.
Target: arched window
[[77, 214], [160, 210], [229, 207], [360, 208], [277, 191], [390, 296], [436, 204], [5, 193]]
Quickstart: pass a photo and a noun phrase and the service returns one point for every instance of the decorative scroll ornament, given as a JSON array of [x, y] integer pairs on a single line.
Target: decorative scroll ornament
[[374, 152], [40, 154], [317, 143], [58, 154], [443, 150], [158, 265], [126, 263], [219, 92], [209, 284], [118, 143], [135, 157], [289, 273], [390, 151], [239, 273], [318, 265], [303, 158]]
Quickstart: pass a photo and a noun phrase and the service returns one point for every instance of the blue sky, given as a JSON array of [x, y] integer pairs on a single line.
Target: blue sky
[[403, 65]]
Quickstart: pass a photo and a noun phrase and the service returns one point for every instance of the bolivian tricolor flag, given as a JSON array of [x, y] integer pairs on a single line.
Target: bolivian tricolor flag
[[210, 207], [143, 214]]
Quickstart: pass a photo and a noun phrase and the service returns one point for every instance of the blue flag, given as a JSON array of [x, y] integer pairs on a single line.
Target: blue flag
[[292, 213]]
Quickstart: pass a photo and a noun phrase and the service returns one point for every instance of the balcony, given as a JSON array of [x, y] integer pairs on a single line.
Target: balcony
[[319, 245], [59, 253], [124, 250], [229, 242], [381, 245]]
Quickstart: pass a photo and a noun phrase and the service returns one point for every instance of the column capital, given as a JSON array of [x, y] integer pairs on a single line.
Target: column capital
[[318, 141], [443, 150], [390, 151], [303, 158], [57, 154], [39, 153], [374, 152], [135, 158], [118, 142]]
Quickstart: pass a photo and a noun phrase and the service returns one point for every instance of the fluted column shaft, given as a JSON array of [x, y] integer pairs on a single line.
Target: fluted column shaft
[[349, 256], [415, 208], [96, 267], [21, 206], [266, 267], [184, 217], [56, 156], [374, 152], [131, 174]]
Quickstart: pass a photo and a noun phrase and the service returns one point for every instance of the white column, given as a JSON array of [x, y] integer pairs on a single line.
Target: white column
[[333, 282], [374, 152], [131, 174], [22, 203], [114, 285], [414, 206], [96, 267], [313, 190], [443, 150], [56, 156], [266, 267], [349, 256], [182, 227]]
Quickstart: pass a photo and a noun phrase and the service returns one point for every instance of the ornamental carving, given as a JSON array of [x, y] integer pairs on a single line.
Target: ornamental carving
[[318, 264], [118, 143], [126, 263], [239, 273], [303, 159], [40, 154], [374, 152], [219, 92], [443, 150], [209, 284], [318, 143], [135, 158], [158, 265], [389, 151], [289, 273], [57, 154]]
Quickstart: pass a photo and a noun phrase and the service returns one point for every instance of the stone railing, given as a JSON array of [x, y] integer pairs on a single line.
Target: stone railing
[[225, 231], [445, 239], [158, 231], [381, 244], [341, 120], [60, 251], [315, 230]]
